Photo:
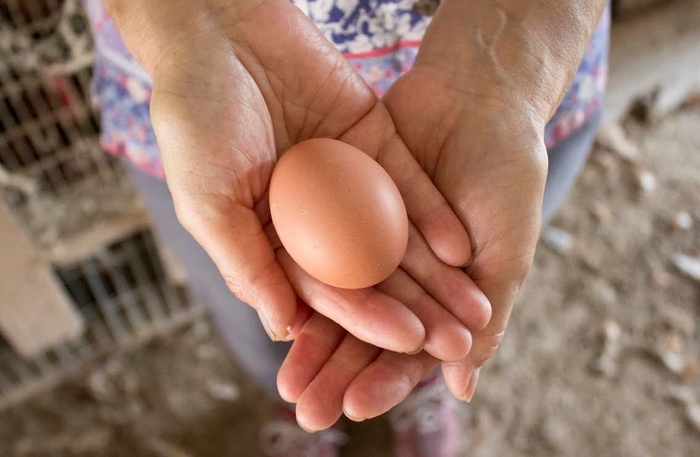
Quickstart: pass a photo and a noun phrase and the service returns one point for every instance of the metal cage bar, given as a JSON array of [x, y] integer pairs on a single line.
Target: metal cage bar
[[52, 162]]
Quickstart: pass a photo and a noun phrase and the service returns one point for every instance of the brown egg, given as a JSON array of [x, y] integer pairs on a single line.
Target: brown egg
[[338, 213]]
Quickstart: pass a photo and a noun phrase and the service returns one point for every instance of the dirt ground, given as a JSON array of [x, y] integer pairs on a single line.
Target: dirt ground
[[601, 357]]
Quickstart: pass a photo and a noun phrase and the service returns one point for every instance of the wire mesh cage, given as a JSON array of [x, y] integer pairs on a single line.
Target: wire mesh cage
[[72, 200]]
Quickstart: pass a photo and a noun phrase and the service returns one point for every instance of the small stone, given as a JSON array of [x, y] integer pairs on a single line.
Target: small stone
[[690, 266], [607, 363], [670, 349], [683, 221], [671, 96], [224, 391], [558, 239], [614, 138], [602, 212], [673, 361], [645, 180]]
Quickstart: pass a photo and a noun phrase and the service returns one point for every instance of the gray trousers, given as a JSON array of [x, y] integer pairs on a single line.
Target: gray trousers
[[237, 323]]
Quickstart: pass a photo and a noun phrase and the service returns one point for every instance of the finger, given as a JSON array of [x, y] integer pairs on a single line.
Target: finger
[[450, 286], [446, 338], [366, 313], [321, 404], [315, 344], [461, 378], [234, 239], [426, 206], [385, 383]]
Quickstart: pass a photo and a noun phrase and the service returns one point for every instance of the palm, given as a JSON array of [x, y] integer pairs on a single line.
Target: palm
[[224, 112], [489, 166], [222, 120], [490, 163]]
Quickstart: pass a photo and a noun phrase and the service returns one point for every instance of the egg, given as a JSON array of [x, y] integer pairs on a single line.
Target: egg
[[338, 213]]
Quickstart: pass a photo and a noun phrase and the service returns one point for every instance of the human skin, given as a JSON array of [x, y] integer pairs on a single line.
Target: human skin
[[235, 84], [488, 77]]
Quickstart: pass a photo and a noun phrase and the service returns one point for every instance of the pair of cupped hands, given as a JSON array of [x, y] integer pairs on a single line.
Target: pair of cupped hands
[[241, 85]]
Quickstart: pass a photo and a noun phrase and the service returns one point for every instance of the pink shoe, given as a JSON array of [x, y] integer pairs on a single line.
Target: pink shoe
[[427, 423], [284, 438]]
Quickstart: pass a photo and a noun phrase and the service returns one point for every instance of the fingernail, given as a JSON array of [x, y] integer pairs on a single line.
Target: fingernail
[[267, 328], [354, 419], [471, 386], [417, 351]]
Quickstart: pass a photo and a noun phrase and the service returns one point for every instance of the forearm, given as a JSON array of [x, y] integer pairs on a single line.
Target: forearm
[[157, 31], [526, 51]]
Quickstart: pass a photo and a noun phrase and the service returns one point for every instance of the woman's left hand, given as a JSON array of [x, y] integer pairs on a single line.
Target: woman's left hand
[[489, 161]]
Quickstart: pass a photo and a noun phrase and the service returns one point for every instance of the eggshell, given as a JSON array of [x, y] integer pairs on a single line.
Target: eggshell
[[338, 213]]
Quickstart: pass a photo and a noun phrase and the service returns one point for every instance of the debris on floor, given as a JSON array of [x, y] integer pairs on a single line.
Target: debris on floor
[[671, 351], [645, 179], [683, 221], [608, 361], [222, 390], [671, 97], [612, 137], [557, 239], [689, 266]]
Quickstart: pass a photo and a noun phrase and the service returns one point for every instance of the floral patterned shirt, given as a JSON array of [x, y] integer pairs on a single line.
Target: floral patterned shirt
[[380, 38]]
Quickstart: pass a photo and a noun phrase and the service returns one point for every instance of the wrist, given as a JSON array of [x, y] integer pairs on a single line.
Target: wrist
[[523, 51], [160, 35]]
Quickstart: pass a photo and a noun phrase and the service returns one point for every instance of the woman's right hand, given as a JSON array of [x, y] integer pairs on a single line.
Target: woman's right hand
[[234, 85]]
